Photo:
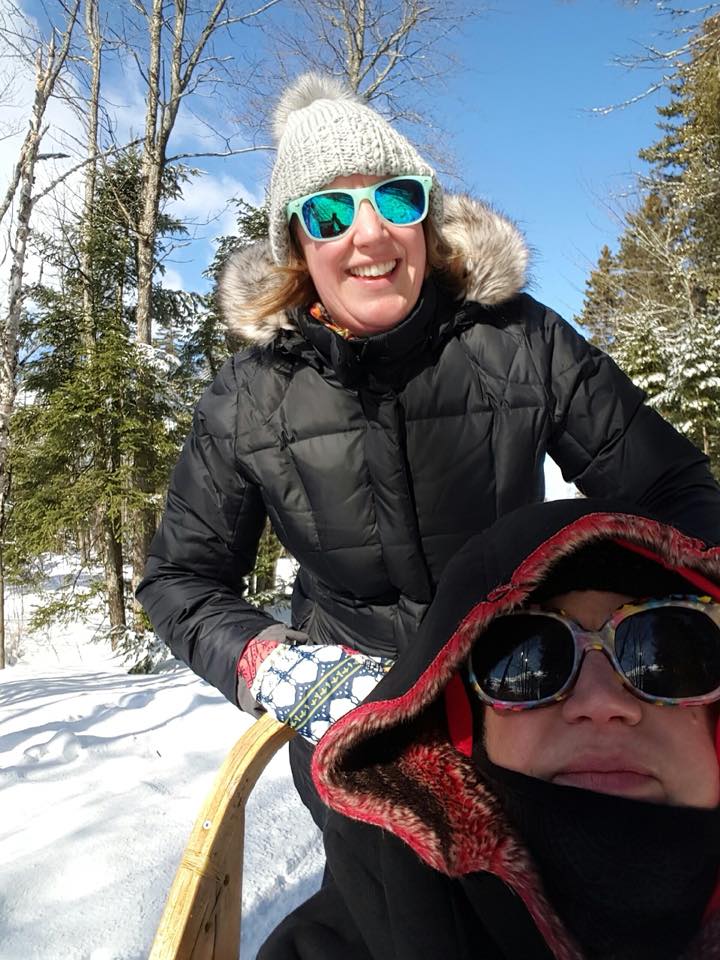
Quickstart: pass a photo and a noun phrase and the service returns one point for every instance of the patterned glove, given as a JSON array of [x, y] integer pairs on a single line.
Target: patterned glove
[[309, 687]]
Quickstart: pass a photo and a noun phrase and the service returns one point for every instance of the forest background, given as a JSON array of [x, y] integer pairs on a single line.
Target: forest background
[[132, 129]]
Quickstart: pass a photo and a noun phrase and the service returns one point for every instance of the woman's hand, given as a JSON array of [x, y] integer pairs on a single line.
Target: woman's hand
[[309, 686]]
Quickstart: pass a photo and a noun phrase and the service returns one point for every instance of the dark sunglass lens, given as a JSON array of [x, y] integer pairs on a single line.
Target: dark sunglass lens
[[401, 201], [670, 652], [328, 214], [523, 657]]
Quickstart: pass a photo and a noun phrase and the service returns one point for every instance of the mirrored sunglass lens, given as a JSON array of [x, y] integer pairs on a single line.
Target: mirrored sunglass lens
[[523, 657], [670, 652], [328, 215], [401, 201]]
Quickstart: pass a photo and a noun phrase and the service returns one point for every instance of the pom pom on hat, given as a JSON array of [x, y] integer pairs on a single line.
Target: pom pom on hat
[[324, 131], [305, 91]]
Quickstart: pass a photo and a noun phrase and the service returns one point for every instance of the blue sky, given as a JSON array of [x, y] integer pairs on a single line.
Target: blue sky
[[527, 140]]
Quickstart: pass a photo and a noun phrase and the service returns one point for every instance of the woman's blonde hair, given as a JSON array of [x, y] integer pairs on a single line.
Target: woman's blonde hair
[[293, 286]]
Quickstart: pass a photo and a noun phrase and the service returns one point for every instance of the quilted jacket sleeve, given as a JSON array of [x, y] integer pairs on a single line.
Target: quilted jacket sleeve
[[206, 544], [610, 443]]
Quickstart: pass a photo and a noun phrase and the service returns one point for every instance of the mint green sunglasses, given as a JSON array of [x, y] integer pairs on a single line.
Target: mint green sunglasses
[[328, 214]]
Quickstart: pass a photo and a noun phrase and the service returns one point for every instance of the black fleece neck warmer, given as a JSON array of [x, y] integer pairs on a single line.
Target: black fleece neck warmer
[[630, 880]]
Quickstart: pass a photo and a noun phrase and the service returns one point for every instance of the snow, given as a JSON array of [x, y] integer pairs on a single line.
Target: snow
[[556, 488], [101, 778]]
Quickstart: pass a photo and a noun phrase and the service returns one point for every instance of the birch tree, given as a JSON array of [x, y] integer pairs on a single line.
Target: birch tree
[[109, 519], [51, 56]]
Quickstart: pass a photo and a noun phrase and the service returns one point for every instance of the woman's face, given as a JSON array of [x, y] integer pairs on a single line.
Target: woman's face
[[602, 738], [368, 279]]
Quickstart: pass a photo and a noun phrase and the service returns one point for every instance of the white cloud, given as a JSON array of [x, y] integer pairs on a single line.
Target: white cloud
[[172, 280], [205, 205]]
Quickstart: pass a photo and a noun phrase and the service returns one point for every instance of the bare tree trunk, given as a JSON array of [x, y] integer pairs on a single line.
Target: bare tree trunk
[[114, 581], [84, 540], [2, 600], [111, 538], [11, 327], [92, 32], [151, 176]]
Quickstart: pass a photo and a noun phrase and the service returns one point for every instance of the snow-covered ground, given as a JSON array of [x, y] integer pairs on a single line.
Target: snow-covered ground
[[101, 777]]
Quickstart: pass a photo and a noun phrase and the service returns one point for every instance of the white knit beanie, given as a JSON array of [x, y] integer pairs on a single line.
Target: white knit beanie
[[323, 131]]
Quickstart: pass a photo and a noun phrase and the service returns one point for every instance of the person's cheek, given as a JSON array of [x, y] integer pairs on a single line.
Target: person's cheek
[[509, 740], [697, 756]]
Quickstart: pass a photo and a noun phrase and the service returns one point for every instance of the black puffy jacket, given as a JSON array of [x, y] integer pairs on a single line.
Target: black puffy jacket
[[376, 458]]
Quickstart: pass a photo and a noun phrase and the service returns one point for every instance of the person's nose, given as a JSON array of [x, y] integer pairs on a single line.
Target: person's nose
[[599, 695], [369, 227]]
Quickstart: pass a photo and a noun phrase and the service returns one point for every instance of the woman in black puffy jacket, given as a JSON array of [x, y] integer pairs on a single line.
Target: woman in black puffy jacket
[[401, 392]]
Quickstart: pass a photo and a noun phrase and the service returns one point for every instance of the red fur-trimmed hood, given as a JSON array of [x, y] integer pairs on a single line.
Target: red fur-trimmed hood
[[391, 763]]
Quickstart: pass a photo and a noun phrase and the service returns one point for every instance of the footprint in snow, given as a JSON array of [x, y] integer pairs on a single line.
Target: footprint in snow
[[134, 700], [64, 747]]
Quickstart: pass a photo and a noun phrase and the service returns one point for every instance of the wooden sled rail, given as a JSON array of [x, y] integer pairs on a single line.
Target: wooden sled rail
[[201, 919]]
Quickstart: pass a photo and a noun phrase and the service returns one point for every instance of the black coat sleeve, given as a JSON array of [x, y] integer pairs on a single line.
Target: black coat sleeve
[[607, 440], [206, 544]]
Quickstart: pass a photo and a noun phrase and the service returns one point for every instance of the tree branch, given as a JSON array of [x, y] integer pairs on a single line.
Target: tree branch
[[225, 153]]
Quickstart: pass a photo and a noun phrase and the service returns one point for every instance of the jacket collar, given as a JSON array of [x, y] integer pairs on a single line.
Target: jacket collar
[[384, 359], [492, 248], [380, 348]]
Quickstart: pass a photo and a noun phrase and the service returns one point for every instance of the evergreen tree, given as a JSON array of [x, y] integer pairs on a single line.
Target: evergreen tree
[[654, 304], [687, 158], [692, 388], [78, 433], [641, 345], [602, 300]]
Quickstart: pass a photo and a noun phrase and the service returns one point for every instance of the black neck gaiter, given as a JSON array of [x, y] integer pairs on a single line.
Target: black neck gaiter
[[629, 879]]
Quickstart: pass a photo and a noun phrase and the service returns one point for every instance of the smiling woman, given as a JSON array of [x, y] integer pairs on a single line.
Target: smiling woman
[[399, 392]]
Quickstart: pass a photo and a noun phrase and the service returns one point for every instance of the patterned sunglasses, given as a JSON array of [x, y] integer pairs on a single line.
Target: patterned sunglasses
[[665, 651]]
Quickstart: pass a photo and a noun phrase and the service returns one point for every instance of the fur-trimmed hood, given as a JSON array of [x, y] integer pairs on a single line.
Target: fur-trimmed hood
[[493, 249], [391, 763]]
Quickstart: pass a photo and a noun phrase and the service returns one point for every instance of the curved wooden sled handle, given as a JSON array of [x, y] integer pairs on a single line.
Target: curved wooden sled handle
[[201, 919]]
